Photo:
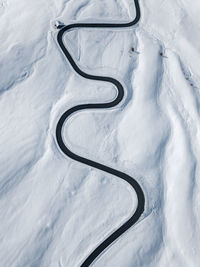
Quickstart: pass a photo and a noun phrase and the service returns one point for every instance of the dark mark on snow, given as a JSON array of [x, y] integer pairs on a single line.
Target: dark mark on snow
[[132, 182]]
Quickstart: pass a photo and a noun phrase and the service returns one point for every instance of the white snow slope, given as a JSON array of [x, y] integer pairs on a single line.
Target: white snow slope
[[54, 211]]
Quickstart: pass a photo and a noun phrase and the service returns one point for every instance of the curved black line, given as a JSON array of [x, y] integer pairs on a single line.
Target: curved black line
[[140, 195]]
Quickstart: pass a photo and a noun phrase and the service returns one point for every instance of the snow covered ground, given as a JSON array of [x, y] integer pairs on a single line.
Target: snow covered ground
[[54, 211]]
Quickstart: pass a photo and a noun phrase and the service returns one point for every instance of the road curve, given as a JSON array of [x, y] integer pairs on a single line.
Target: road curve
[[120, 94]]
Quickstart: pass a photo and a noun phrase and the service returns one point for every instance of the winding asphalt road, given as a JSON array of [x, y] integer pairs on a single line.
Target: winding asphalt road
[[120, 90]]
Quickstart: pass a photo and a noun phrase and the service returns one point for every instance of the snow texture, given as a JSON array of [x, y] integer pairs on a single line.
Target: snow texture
[[54, 211]]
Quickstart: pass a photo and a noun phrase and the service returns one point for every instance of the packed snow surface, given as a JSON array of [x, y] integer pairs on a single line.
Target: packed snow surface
[[54, 211]]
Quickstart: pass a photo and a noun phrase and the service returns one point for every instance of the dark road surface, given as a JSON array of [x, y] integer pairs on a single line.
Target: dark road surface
[[136, 187]]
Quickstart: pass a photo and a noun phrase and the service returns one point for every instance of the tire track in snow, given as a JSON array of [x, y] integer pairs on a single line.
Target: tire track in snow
[[120, 94]]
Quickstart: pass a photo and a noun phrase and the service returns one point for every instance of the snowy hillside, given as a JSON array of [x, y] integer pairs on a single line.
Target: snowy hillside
[[55, 211]]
